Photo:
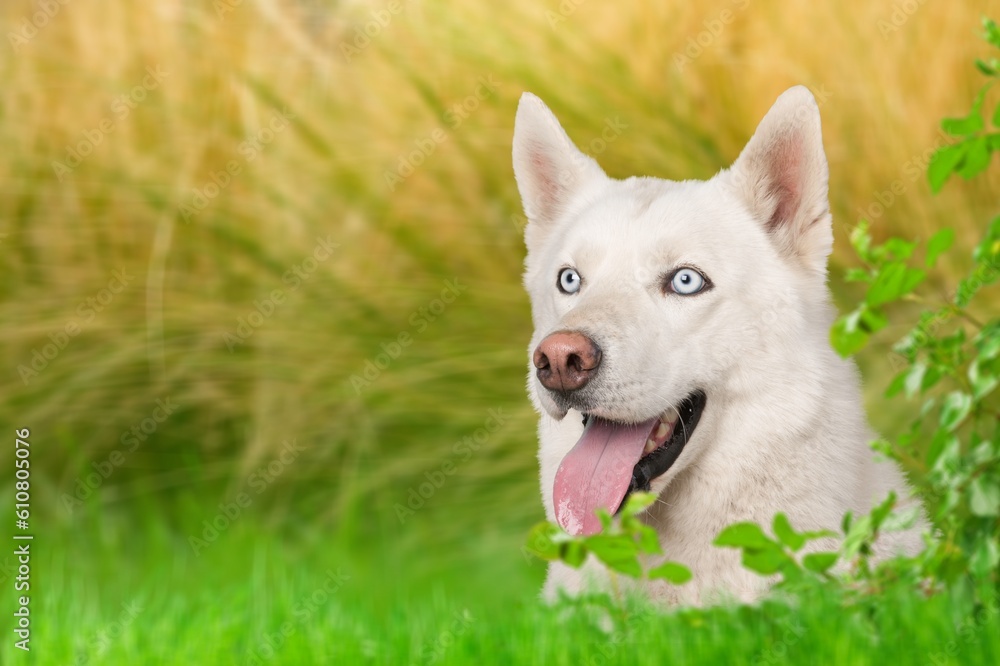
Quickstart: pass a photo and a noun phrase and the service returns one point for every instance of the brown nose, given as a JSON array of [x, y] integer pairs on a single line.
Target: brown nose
[[566, 360]]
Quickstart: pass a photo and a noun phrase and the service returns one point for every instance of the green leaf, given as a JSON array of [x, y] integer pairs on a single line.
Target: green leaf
[[955, 407], [605, 517], [988, 343], [952, 344], [902, 520], [883, 446], [768, 560], [991, 33], [627, 566], [786, 534], [914, 379], [857, 275], [966, 126], [872, 321], [672, 572], [987, 251], [912, 279], [743, 535], [845, 336], [858, 532], [896, 385], [982, 450], [894, 281], [928, 406], [985, 558], [573, 553], [899, 248], [818, 534], [971, 123], [613, 546], [637, 503], [941, 442], [646, 537], [996, 111], [977, 158], [938, 244], [886, 285], [861, 240], [846, 522], [820, 562], [988, 68], [984, 497], [943, 163], [982, 383], [931, 378], [544, 541], [880, 512]]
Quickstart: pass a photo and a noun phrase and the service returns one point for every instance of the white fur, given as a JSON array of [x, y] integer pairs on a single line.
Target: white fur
[[784, 427]]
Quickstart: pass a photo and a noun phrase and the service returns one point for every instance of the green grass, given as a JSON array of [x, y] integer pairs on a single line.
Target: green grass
[[116, 593], [456, 217]]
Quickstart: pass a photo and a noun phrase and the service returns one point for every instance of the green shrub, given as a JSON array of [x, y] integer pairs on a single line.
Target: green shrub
[[949, 363]]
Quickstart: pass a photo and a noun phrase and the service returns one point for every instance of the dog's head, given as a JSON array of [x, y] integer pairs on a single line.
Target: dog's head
[[649, 296]]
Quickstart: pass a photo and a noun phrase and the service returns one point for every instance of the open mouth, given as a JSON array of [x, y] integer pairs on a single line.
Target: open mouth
[[613, 459]]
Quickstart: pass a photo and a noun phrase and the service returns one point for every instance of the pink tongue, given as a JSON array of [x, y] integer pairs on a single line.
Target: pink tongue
[[597, 472]]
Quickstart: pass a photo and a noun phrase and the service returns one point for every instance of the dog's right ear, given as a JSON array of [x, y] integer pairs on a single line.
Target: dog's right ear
[[549, 169], [783, 176]]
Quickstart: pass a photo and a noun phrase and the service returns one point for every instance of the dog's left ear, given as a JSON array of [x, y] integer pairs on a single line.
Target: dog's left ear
[[783, 176]]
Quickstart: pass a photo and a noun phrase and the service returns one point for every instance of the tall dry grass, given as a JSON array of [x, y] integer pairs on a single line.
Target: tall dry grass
[[323, 173]]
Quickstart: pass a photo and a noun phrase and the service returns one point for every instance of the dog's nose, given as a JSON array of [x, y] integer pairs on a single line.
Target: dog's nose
[[566, 360]]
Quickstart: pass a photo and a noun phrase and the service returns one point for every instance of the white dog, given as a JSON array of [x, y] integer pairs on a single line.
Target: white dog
[[681, 346]]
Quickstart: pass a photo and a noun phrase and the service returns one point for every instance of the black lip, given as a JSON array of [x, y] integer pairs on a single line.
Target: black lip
[[659, 461]]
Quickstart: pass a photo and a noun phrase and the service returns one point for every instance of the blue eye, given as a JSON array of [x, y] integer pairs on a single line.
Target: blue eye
[[569, 281], [687, 282]]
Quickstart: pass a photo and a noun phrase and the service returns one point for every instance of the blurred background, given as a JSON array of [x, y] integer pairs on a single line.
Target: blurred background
[[266, 254]]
